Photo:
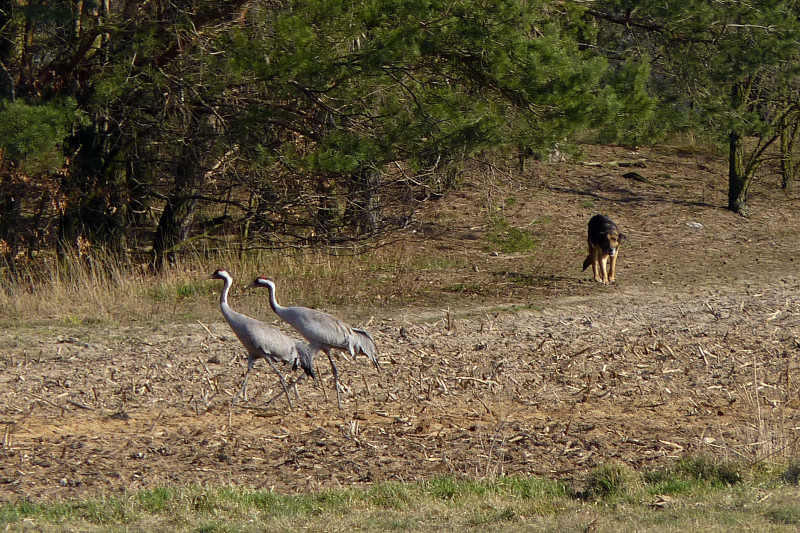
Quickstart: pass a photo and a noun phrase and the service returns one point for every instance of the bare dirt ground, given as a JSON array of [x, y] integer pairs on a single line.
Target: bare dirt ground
[[509, 363]]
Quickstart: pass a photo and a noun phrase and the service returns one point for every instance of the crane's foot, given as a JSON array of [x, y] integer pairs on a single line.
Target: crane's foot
[[293, 385], [283, 383], [243, 391], [338, 394]]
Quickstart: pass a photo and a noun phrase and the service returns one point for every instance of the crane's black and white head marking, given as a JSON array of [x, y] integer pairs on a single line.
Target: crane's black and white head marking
[[221, 273], [263, 281]]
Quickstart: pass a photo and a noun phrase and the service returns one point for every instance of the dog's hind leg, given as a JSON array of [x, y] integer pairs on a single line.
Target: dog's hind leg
[[596, 266]]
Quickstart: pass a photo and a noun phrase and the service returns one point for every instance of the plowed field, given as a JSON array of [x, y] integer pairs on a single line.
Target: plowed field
[[509, 362]]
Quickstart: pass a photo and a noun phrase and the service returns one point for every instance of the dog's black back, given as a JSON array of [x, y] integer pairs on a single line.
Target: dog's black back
[[604, 238], [599, 227]]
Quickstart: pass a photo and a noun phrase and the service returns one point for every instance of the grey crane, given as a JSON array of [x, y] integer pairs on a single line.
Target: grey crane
[[323, 331], [263, 341]]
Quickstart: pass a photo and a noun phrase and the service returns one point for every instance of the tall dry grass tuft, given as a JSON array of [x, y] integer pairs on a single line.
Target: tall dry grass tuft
[[81, 283], [95, 286]]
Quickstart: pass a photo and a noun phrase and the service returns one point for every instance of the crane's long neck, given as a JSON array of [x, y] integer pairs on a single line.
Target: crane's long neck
[[273, 302], [223, 298]]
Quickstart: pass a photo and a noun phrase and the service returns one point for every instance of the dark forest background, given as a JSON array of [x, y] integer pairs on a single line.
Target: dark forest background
[[146, 128]]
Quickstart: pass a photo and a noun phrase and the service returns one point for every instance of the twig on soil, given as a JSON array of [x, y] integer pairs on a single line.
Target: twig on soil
[[670, 350], [156, 421], [580, 352], [80, 405], [206, 328], [448, 321], [703, 354], [204, 366], [45, 400], [488, 382], [758, 403]]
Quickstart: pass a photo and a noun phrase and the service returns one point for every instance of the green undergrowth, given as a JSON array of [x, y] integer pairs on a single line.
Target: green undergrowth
[[507, 238], [694, 492]]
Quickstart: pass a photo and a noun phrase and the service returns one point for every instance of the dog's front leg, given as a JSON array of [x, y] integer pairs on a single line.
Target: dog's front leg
[[603, 269], [613, 268]]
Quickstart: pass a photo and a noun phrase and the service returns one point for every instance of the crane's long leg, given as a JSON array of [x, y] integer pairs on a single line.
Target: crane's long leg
[[293, 384], [335, 379], [243, 390], [283, 383]]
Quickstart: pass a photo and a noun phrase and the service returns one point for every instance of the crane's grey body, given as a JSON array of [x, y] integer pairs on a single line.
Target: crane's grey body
[[263, 341], [323, 331]]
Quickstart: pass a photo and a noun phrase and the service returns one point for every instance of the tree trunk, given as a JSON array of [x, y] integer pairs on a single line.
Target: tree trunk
[[11, 193], [327, 216], [95, 190], [738, 180], [7, 47], [789, 163], [175, 222], [364, 206], [173, 228], [523, 153]]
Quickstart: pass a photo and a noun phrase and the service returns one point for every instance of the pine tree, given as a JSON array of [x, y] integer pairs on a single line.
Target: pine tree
[[726, 69]]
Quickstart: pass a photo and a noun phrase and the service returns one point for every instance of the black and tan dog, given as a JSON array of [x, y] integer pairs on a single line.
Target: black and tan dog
[[604, 240]]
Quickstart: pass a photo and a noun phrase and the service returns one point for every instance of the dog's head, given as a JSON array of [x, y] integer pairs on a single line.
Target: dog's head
[[611, 241], [605, 235]]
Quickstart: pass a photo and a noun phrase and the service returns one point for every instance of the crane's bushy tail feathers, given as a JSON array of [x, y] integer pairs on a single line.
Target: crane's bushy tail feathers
[[366, 345], [587, 262], [306, 360]]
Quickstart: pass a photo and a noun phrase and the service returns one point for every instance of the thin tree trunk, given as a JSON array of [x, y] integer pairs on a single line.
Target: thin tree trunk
[[11, 194], [7, 49], [737, 192], [327, 216], [173, 228], [789, 163], [96, 206], [364, 206], [738, 179], [175, 222]]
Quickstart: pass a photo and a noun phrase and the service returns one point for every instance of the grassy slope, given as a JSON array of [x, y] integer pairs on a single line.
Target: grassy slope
[[695, 494]]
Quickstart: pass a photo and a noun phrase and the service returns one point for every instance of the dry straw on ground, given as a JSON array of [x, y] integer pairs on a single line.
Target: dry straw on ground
[[494, 363]]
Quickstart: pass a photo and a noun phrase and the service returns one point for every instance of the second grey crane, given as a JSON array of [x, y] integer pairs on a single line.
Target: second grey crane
[[323, 331], [263, 341]]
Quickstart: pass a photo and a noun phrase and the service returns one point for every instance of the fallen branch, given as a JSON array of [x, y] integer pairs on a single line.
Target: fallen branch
[[641, 163]]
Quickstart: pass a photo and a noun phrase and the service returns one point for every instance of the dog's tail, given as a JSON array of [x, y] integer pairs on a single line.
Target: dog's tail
[[587, 262]]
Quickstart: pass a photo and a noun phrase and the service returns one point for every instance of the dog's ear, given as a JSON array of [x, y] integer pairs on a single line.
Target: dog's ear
[[622, 237]]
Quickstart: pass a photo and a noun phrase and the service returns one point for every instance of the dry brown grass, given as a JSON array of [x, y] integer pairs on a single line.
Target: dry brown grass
[[98, 287]]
